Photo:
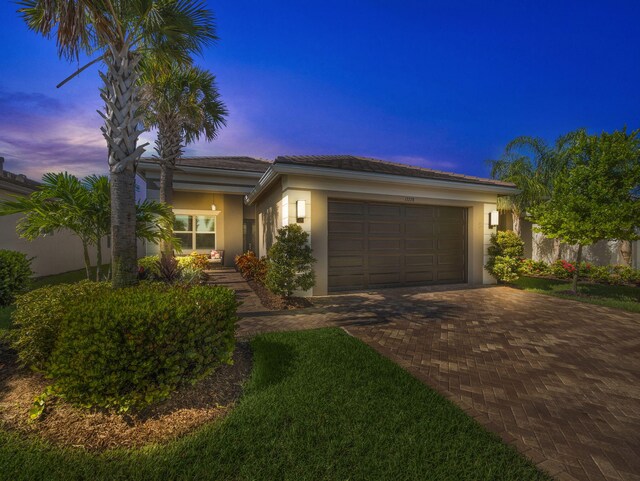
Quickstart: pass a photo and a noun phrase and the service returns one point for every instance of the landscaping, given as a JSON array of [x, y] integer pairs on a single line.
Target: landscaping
[[319, 405], [618, 296]]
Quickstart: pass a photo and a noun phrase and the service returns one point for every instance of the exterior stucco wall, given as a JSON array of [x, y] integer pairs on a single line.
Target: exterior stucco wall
[[269, 217], [228, 220]]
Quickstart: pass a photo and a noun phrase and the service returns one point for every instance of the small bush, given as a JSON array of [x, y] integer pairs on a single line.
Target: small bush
[[529, 267], [194, 261], [148, 267], [38, 316], [15, 274], [127, 348], [505, 252], [562, 269], [252, 267], [290, 262]]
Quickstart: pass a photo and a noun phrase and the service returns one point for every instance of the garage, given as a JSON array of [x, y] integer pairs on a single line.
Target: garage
[[374, 245]]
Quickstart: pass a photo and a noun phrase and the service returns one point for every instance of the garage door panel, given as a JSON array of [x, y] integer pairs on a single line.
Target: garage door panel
[[420, 244], [346, 244], [346, 227], [374, 245], [346, 208], [388, 260], [384, 244], [384, 228], [346, 261], [384, 210]]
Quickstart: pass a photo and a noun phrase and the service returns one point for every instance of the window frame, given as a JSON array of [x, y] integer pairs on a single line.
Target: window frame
[[194, 213]]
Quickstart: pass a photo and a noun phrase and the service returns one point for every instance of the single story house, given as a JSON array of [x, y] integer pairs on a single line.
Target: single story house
[[371, 223]]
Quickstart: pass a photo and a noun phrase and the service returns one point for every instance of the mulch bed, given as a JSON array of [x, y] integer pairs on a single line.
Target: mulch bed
[[98, 430], [277, 303]]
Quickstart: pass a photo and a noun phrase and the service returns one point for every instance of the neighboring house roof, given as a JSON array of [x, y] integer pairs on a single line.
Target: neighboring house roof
[[16, 183], [377, 166], [244, 164]]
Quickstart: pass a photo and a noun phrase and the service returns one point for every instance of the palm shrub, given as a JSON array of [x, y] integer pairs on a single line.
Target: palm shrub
[[290, 262], [505, 253], [15, 274]]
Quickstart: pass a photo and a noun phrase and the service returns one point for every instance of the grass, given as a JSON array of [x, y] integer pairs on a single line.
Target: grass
[[621, 297], [320, 405], [66, 277]]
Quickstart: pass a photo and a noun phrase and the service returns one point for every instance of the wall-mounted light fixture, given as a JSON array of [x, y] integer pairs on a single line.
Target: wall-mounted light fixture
[[301, 211], [494, 218]]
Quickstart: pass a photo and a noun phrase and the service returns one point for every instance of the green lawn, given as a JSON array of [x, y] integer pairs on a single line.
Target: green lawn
[[320, 405], [621, 297]]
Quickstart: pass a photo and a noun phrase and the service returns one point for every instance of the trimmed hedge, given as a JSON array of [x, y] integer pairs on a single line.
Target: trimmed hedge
[[126, 348], [562, 269], [505, 252], [15, 274]]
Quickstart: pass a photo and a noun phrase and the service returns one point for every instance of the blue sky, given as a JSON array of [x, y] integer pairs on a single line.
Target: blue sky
[[440, 84]]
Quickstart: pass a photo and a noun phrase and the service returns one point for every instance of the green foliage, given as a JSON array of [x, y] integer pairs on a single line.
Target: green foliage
[[39, 314], [251, 266], [194, 260], [148, 267], [125, 348], [184, 269], [505, 252], [593, 197], [562, 269], [15, 275], [529, 267], [290, 262]]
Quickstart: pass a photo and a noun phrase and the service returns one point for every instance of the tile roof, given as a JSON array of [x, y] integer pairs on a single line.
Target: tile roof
[[247, 164], [376, 166]]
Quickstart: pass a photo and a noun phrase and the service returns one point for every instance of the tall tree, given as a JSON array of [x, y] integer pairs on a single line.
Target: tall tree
[[593, 198], [532, 165], [184, 104], [119, 33]]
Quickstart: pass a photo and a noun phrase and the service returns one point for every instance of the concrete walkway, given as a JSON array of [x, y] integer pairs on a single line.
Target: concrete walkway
[[558, 379]]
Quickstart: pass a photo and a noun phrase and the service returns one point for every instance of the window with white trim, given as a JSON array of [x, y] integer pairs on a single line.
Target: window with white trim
[[195, 231]]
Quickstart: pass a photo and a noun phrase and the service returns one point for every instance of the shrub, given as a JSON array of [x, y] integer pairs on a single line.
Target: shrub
[[505, 252], [529, 267], [15, 274], [38, 316], [128, 348], [562, 269], [290, 262], [194, 260], [252, 267], [599, 274], [625, 274], [148, 267]]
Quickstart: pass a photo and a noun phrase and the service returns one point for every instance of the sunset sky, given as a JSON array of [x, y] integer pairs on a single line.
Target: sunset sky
[[438, 84]]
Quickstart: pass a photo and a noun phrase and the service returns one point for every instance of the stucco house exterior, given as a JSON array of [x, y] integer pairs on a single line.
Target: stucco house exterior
[[371, 223]]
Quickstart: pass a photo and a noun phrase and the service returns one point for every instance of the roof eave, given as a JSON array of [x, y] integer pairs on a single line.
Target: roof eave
[[286, 168]]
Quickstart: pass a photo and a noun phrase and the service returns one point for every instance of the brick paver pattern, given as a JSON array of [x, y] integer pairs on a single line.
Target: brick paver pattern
[[558, 379]]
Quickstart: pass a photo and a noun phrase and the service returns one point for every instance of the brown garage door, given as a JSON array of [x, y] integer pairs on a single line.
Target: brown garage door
[[382, 245]]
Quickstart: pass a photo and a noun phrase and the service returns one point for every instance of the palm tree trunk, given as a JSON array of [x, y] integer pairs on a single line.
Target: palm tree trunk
[[626, 251], [98, 259], [517, 226], [122, 118], [87, 259], [576, 272], [168, 149]]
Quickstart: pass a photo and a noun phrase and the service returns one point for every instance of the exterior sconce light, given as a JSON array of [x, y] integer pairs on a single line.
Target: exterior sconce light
[[301, 210], [494, 218]]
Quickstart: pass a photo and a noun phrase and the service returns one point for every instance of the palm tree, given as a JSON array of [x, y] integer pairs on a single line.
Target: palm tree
[[533, 166], [83, 207], [119, 33], [183, 103]]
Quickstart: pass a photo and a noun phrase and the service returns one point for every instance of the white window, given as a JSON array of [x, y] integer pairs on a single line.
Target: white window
[[195, 231]]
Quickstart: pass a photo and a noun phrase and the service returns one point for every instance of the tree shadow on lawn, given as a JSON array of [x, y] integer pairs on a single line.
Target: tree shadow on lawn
[[274, 362]]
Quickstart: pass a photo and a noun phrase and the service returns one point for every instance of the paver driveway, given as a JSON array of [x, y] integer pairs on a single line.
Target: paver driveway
[[558, 379]]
